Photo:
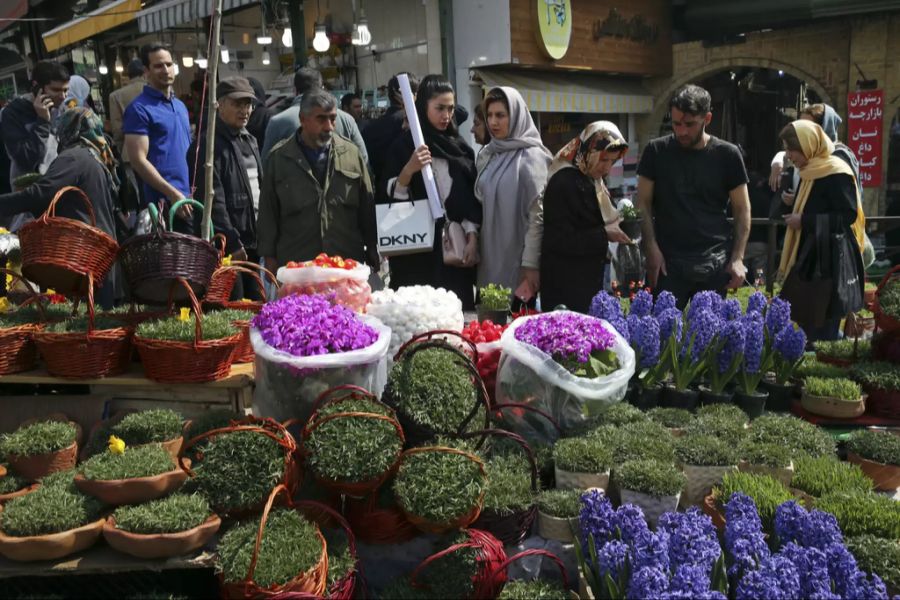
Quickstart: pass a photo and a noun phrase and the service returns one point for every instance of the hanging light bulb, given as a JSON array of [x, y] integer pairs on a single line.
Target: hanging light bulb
[[177, 70], [354, 35], [187, 60], [119, 67], [103, 68], [226, 58], [266, 59], [264, 39], [201, 62], [365, 36], [321, 43], [287, 39]]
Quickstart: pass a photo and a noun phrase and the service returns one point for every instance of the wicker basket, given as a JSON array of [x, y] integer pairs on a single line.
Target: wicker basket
[[514, 527], [223, 279], [417, 433], [343, 588], [154, 262], [356, 489], [883, 403], [291, 475], [312, 582], [65, 254], [489, 578], [244, 353], [833, 407], [883, 321], [187, 362], [254, 270], [462, 521], [90, 355], [375, 524], [501, 568], [17, 348]]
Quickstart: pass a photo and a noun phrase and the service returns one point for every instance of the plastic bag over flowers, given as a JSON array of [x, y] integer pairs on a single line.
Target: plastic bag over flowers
[[530, 376], [287, 386]]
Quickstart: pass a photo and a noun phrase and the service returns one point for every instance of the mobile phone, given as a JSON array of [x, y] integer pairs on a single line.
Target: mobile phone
[[786, 184]]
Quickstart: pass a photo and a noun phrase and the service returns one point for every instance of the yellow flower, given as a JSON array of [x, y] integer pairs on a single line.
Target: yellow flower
[[247, 300], [226, 262], [185, 314], [116, 445], [5, 306]]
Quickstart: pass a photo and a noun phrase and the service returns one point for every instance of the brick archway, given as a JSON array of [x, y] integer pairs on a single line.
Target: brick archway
[[661, 102]]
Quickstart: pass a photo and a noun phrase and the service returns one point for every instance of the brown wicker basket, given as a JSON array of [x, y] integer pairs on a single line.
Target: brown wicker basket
[[90, 355], [222, 281], [244, 353], [883, 403], [18, 351], [62, 253], [154, 262], [883, 321], [501, 568], [488, 579], [312, 582], [378, 524], [187, 362], [513, 527], [324, 516]]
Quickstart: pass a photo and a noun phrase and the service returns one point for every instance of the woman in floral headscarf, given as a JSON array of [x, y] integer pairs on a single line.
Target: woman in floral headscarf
[[579, 218], [86, 161]]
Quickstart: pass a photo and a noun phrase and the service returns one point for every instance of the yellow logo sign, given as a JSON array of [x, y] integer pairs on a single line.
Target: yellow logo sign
[[554, 26]]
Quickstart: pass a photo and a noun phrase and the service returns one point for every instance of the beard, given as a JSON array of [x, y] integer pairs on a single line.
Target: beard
[[690, 143]]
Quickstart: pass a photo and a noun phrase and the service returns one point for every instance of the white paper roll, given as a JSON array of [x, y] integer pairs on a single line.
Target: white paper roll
[[409, 104]]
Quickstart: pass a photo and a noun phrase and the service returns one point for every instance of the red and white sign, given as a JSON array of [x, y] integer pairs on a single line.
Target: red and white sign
[[865, 118]]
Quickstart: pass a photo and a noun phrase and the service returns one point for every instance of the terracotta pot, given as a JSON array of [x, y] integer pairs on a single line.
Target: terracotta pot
[[782, 474], [35, 467], [51, 546], [884, 477], [173, 446], [712, 510], [556, 528], [700, 481], [652, 506], [571, 480], [160, 545], [116, 492], [23, 492]]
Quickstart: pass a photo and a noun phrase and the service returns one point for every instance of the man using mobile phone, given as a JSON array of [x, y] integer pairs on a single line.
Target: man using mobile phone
[[26, 123], [157, 136]]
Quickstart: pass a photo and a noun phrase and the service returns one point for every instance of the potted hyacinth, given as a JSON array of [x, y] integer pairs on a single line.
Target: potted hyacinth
[[788, 347], [754, 367], [723, 362], [567, 364], [688, 354]]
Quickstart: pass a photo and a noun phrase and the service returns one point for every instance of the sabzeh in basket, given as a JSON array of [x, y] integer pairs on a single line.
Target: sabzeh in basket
[[238, 465], [468, 567], [179, 359], [67, 255], [18, 324], [352, 442], [887, 302], [154, 262], [282, 554], [85, 347], [436, 389]]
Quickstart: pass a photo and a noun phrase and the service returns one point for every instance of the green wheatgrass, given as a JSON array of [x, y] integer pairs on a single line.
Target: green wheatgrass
[[651, 477], [438, 486], [352, 449], [173, 329], [141, 461], [171, 514], [147, 426], [42, 437], [56, 506]]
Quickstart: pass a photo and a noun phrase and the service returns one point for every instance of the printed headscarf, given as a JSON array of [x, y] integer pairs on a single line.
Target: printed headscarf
[[598, 140], [81, 126], [79, 91], [818, 149]]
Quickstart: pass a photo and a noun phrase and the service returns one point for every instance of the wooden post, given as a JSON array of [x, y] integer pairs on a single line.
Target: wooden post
[[212, 76]]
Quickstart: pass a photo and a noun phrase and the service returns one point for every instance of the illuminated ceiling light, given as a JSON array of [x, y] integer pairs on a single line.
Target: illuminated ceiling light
[[226, 57], [266, 59], [202, 62], [321, 43], [188, 61], [264, 40], [119, 67], [103, 68], [365, 36], [177, 70], [287, 39]]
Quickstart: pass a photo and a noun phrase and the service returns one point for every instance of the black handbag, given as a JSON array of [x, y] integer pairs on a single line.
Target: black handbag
[[847, 273], [808, 286]]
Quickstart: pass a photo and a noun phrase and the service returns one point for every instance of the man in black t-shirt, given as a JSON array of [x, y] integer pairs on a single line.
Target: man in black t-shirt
[[685, 183]]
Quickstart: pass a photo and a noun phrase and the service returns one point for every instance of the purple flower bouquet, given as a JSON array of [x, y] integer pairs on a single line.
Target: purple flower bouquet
[[305, 345], [567, 364]]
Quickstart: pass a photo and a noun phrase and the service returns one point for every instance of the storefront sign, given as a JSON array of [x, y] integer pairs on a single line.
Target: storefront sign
[[554, 26], [635, 29], [865, 118]]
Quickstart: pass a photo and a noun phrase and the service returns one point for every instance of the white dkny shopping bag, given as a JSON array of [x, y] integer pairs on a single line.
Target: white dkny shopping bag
[[404, 227]]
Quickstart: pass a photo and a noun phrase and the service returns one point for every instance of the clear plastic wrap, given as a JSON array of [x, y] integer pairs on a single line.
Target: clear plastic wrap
[[350, 286]]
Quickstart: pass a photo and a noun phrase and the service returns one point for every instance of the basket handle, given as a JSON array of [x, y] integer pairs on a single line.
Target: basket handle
[[264, 426], [347, 387], [499, 407], [242, 269], [448, 550], [278, 489], [529, 453], [51, 210], [312, 425], [265, 272], [313, 505], [220, 237], [428, 335], [34, 298], [177, 205], [481, 393], [534, 552], [195, 306], [155, 221], [886, 278]]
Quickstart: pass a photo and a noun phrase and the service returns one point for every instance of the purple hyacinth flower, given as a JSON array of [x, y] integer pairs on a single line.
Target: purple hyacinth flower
[[664, 301], [790, 343], [757, 303], [733, 339], [641, 304], [778, 316], [605, 306], [754, 342], [645, 340]]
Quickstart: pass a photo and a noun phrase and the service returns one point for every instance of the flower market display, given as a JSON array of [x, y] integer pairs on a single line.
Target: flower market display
[[566, 364], [414, 310], [305, 345], [345, 281]]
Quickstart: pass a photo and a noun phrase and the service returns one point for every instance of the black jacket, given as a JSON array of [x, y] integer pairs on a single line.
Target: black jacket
[[259, 120], [573, 250], [379, 136], [24, 135], [232, 212]]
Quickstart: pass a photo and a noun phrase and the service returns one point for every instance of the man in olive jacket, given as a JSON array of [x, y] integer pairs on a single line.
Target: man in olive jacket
[[316, 194]]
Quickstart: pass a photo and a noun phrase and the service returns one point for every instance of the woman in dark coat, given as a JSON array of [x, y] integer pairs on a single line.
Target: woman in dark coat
[[828, 196], [85, 161], [579, 218], [453, 164]]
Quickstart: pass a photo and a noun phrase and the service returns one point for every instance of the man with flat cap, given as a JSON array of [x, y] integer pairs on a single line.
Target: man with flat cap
[[236, 178]]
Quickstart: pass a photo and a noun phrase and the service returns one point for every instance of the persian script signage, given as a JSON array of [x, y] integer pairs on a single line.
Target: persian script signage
[[865, 119]]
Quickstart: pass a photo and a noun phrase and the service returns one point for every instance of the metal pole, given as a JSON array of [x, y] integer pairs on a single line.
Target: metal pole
[[770, 256], [212, 77]]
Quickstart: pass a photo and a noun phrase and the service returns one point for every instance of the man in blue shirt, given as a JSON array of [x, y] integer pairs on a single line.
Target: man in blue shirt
[[157, 135]]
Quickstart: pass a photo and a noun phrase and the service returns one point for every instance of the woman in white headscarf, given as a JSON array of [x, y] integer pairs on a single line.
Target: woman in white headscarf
[[512, 172], [579, 218]]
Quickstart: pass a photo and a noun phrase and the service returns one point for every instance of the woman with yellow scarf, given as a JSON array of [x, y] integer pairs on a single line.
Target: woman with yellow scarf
[[827, 187]]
